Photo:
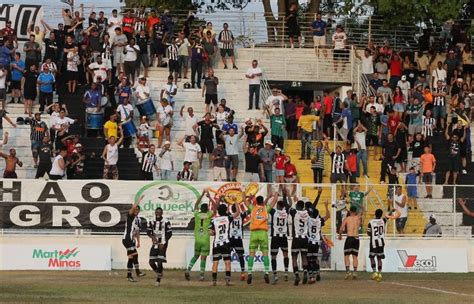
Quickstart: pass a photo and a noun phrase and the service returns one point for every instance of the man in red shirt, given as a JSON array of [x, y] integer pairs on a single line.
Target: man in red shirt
[[395, 70], [290, 176], [128, 24], [8, 32], [152, 20], [393, 121]]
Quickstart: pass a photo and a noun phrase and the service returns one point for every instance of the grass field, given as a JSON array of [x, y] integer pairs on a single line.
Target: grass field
[[111, 287]]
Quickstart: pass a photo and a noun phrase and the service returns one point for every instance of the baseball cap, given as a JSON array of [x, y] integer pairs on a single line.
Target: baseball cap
[[268, 143], [141, 77], [167, 142], [78, 145], [432, 216], [404, 77]]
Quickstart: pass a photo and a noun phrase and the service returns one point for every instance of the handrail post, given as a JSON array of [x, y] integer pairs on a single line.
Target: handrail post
[[454, 211], [351, 58]]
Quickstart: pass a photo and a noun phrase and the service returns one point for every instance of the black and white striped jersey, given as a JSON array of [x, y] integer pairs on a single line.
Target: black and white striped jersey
[[376, 231], [314, 229], [237, 226], [221, 227], [299, 223], [132, 227], [160, 229], [279, 222]]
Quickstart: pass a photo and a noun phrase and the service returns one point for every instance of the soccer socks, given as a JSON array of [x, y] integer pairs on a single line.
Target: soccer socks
[[129, 267], [192, 262], [347, 268], [266, 263], [372, 264], [250, 264], [286, 263], [379, 264], [159, 271], [203, 266], [153, 265], [274, 264], [242, 263], [214, 276], [227, 276], [136, 265]]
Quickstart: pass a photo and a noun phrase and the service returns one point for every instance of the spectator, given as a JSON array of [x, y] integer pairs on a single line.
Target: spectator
[[405, 88], [454, 157], [149, 161], [99, 70], [462, 202], [226, 40], [209, 45], [158, 48], [123, 90], [209, 90], [192, 154], [111, 127], [386, 92], [125, 111], [72, 70], [438, 74], [417, 146], [3, 114], [432, 229], [45, 82], [267, 155], [254, 75], [414, 114], [32, 51], [390, 152], [231, 141], [439, 103], [351, 165], [452, 63], [17, 70], [128, 24], [119, 42], [186, 174], [38, 130], [428, 166], [77, 159], [132, 52], [44, 152], [9, 33], [59, 165], [166, 161], [381, 68], [339, 39], [92, 99], [280, 159], [173, 61], [254, 171], [401, 207], [293, 26], [3, 86], [346, 119], [362, 155], [169, 90], [10, 162], [411, 182], [274, 101], [61, 125], [114, 22], [143, 134], [305, 129], [209, 29], [317, 162], [395, 70], [218, 158], [183, 55], [165, 121], [277, 125], [291, 177], [196, 63], [205, 132], [401, 139], [374, 131], [367, 62], [319, 29], [143, 40], [190, 120], [429, 125], [110, 155], [338, 164], [290, 118]]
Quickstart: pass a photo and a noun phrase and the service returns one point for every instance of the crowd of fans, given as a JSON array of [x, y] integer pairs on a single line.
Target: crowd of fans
[[409, 99]]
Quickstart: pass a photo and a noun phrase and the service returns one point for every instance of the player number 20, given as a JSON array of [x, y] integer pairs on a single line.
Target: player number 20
[[378, 230]]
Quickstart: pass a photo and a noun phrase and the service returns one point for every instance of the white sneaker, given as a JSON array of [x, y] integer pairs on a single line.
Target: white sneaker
[[464, 171]]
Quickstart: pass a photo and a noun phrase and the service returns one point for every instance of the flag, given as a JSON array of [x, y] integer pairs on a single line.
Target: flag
[[69, 2]]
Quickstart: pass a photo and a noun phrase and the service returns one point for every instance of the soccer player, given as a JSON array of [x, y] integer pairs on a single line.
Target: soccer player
[[351, 246], [376, 231], [159, 230], [220, 228], [202, 220], [236, 235], [131, 240], [279, 235], [315, 224], [299, 217], [259, 234]]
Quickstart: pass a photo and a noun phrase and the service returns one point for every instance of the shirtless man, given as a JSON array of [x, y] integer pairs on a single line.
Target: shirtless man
[[11, 161], [351, 246]]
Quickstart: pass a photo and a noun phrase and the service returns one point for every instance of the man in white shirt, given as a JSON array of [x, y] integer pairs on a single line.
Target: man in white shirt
[[192, 154], [110, 157], [381, 67], [169, 91], [61, 124], [367, 63], [339, 39], [118, 45], [125, 110], [166, 161], [254, 74], [232, 150], [438, 74], [274, 101], [130, 60], [183, 55], [405, 87], [114, 22], [99, 69], [190, 120]]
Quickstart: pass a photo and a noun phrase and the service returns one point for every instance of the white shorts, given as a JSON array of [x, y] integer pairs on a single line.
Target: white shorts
[[219, 174], [119, 58], [252, 177], [319, 40]]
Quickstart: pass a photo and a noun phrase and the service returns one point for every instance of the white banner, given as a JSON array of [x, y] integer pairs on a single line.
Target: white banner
[[21, 16], [55, 257], [92, 204], [414, 260]]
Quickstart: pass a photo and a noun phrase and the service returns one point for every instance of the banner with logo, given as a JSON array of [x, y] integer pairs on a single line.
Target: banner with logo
[[424, 260], [21, 16], [55, 257], [103, 205]]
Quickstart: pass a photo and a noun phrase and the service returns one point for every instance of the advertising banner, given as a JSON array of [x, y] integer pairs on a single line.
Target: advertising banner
[[103, 205], [413, 260], [55, 257], [21, 16]]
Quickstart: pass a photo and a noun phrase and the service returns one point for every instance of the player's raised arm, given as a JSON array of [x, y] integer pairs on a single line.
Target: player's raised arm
[[135, 205], [316, 200], [198, 201], [326, 207], [274, 200]]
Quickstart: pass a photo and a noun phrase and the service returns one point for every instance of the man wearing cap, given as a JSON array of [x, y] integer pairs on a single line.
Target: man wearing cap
[[432, 229], [404, 86], [274, 101], [166, 161], [267, 155], [76, 166]]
